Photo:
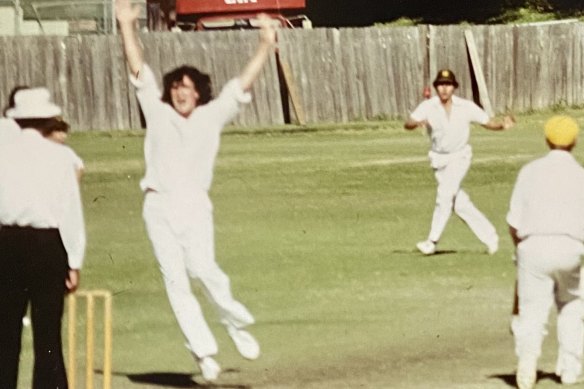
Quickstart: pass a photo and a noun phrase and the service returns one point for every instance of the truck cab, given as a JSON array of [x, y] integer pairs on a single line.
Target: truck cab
[[238, 14]]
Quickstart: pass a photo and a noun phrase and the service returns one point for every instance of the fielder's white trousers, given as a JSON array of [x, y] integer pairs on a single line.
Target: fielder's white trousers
[[548, 271], [181, 232], [450, 170]]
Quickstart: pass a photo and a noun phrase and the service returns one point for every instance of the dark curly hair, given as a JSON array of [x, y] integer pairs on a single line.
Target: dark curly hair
[[201, 80], [46, 126]]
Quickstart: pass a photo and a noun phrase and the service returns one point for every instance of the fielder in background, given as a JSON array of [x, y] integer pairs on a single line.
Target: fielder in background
[[447, 119], [546, 222], [42, 239], [184, 125]]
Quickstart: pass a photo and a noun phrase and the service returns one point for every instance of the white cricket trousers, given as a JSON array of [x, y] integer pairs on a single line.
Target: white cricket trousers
[[181, 232], [450, 170], [548, 271]]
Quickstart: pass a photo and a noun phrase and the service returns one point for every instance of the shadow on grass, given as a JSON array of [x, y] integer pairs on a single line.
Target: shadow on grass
[[442, 252], [438, 252], [509, 379], [176, 380]]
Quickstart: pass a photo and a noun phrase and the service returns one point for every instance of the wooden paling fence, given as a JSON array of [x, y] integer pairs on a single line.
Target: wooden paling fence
[[339, 74], [526, 67]]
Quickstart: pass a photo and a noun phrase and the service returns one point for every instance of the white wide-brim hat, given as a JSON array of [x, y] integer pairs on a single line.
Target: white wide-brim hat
[[33, 103]]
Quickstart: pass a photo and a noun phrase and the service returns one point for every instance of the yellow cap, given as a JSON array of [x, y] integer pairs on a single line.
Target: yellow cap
[[561, 130]]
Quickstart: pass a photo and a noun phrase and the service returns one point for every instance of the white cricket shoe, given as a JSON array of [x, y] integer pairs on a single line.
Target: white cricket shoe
[[245, 343], [426, 247], [493, 247], [210, 369], [569, 369], [571, 378], [526, 373]]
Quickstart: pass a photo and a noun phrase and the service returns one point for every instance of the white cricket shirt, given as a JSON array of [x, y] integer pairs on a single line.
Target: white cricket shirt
[[548, 197], [180, 152], [76, 161], [9, 129], [38, 188], [449, 134]]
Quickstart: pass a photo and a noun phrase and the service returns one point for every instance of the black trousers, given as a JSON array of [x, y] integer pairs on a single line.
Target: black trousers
[[33, 268]]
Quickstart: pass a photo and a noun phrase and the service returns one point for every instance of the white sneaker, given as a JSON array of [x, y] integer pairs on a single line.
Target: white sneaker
[[569, 370], [571, 378], [210, 369], [493, 247], [245, 343], [526, 373], [426, 247]]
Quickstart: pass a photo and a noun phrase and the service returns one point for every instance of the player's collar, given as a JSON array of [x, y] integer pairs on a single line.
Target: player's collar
[[456, 100]]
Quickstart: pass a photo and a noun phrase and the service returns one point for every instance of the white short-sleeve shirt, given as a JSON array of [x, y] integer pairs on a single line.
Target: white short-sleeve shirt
[[449, 134], [38, 188], [76, 160], [9, 129], [548, 197]]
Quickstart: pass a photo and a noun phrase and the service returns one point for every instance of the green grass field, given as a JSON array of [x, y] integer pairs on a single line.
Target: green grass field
[[317, 231]]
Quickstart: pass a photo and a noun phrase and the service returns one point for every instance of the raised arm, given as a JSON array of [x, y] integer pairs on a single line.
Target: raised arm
[[411, 124], [127, 16], [267, 42], [495, 125]]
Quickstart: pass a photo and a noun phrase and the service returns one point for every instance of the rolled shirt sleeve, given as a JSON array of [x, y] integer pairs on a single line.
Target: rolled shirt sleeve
[[75, 159], [478, 115], [147, 90], [145, 81], [228, 104], [421, 112]]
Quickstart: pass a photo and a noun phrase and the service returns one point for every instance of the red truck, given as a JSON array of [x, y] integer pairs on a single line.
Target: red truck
[[238, 14]]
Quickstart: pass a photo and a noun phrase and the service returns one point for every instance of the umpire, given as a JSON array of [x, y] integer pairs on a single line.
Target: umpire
[[42, 239]]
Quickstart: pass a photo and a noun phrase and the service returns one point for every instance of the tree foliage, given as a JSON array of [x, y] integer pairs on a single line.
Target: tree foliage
[[367, 12]]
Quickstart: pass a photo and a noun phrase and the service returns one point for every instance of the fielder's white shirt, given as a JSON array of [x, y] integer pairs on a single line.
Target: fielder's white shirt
[[180, 152], [76, 161], [9, 129], [548, 197], [39, 188], [449, 134]]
